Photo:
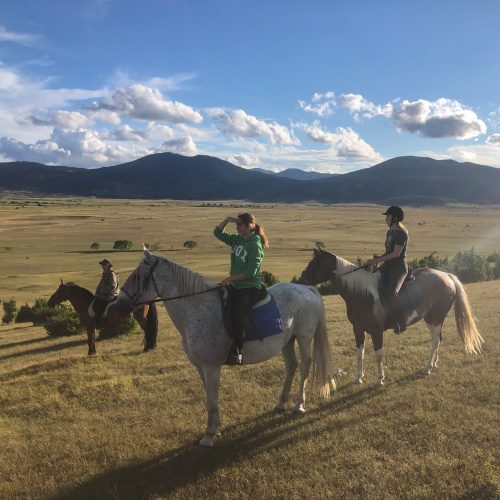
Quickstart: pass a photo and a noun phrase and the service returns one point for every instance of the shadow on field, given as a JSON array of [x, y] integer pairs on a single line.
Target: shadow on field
[[24, 342], [42, 350], [164, 474]]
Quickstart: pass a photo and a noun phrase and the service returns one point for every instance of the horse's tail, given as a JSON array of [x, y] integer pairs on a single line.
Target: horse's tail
[[151, 332], [322, 359], [464, 319]]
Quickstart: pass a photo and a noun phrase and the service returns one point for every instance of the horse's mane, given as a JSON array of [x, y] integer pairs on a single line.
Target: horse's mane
[[359, 283], [80, 289], [188, 281]]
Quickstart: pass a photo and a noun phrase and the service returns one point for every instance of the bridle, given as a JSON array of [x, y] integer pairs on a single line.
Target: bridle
[[160, 298]]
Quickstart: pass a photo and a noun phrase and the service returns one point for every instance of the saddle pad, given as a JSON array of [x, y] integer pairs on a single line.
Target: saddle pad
[[265, 319]]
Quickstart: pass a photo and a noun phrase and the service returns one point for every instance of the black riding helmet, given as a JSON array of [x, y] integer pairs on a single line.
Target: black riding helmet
[[396, 212]]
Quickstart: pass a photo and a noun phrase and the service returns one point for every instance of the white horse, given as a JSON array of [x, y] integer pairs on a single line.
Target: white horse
[[198, 318]]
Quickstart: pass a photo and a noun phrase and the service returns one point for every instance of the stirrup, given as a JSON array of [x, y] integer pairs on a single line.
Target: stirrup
[[235, 358], [399, 329]]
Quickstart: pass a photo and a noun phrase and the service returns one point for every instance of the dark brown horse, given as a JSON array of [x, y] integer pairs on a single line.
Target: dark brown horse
[[80, 298], [429, 297]]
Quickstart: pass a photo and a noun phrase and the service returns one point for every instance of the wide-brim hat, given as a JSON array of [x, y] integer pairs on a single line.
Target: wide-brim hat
[[105, 261]]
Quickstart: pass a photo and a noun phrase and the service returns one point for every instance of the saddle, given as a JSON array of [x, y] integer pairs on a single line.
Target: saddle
[[265, 318], [99, 308]]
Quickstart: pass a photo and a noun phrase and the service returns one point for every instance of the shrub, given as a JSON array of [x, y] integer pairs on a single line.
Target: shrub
[[9, 311], [269, 279], [471, 267], [130, 325], [25, 314], [95, 246], [327, 288], [63, 322], [432, 260], [190, 244], [122, 245]]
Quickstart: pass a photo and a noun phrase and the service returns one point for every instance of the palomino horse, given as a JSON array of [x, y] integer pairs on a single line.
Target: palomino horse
[[429, 296], [80, 298], [197, 315]]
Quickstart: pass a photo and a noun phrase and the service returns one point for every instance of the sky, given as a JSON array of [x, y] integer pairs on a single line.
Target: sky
[[331, 86]]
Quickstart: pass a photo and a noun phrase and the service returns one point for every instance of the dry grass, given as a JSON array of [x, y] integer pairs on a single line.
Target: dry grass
[[124, 424]]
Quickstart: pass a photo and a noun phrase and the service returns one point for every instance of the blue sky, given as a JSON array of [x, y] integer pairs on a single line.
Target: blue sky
[[319, 85]]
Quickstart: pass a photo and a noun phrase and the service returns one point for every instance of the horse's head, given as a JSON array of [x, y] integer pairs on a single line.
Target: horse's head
[[321, 268], [60, 295], [140, 287]]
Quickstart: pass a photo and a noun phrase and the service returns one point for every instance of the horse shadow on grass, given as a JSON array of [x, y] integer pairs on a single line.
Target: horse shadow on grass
[[46, 349], [166, 473], [24, 342]]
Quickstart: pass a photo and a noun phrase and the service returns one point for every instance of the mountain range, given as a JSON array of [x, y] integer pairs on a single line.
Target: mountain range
[[406, 180]]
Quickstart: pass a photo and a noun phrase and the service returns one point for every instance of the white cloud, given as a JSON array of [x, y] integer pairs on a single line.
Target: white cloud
[[436, 119], [19, 38], [244, 160], [239, 124], [105, 116], [145, 103], [344, 142], [183, 146], [43, 151], [322, 104], [493, 139], [357, 104], [61, 119], [127, 133], [483, 154]]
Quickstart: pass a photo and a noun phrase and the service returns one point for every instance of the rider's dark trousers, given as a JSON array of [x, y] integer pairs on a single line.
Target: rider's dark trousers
[[393, 274], [241, 302]]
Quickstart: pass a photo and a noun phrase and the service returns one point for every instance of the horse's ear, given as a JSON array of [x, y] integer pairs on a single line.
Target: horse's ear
[[148, 256], [62, 282], [316, 250]]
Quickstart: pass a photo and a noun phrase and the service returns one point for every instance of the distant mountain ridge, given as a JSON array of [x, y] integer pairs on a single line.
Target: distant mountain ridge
[[406, 180], [296, 173]]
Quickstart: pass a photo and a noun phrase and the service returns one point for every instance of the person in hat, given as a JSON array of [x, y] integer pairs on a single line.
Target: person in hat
[[107, 289], [394, 268], [244, 283]]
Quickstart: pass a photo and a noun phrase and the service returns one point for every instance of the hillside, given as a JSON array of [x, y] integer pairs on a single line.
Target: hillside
[[405, 180]]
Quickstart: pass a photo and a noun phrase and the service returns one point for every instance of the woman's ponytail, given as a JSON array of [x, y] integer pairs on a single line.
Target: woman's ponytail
[[263, 238], [248, 219]]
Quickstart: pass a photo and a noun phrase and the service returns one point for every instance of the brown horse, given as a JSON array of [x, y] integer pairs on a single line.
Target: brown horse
[[429, 296], [80, 298]]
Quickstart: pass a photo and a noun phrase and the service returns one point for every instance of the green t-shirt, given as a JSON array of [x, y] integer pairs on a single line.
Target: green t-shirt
[[246, 257]]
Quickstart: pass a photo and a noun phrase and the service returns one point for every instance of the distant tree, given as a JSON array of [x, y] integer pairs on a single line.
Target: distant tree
[[9, 311], [190, 244], [122, 245], [432, 260], [471, 267], [95, 246]]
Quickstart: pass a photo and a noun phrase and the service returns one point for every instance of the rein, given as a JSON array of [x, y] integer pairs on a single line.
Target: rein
[[351, 271], [164, 299]]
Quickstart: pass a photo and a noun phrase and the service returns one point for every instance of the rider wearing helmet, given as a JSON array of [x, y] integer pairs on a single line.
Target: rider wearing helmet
[[394, 268]]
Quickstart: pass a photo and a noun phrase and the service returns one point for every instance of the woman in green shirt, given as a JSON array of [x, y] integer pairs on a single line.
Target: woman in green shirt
[[244, 282]]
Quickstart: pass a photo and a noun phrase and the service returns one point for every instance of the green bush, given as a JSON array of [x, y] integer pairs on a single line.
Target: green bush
[[130, 325], [432, 260], [269, 278], [327, 288], [122, 245], [63, 322], [9, 311], [25, 314], [190, 244], [471, 267]]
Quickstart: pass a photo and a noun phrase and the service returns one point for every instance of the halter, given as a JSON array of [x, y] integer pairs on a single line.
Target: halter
[[161, 299]]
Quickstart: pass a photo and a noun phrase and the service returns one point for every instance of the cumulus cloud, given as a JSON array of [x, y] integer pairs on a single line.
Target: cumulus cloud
[[344, 142], [43, 151], [483, 154], [493, 139], [358, 105], [244, 160], [105, 116], [127, 133], [62, 119], [183, 146], [145, 103], [436, 119], [321, 105], [239, 124]]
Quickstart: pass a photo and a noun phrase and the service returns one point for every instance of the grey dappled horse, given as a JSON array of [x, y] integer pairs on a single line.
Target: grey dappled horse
[[198, 318], [429, 297]]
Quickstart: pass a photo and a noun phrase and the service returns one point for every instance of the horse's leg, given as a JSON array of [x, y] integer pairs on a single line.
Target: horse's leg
[[290, 368], [359, 335], [211, 377], [435, 331], [305, 365], [377, 339], [90, 327]]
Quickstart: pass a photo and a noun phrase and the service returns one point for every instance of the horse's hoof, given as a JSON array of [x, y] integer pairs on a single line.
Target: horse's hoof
[[379, 383], [206, 441], [298, 411], [357, 381], [424, 372], [279, 410]]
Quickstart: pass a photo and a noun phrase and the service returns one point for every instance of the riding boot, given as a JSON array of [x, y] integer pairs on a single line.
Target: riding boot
[[398, 319], [235, 357]]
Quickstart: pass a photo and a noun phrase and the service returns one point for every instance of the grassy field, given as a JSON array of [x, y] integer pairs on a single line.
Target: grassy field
[[125, 424]]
